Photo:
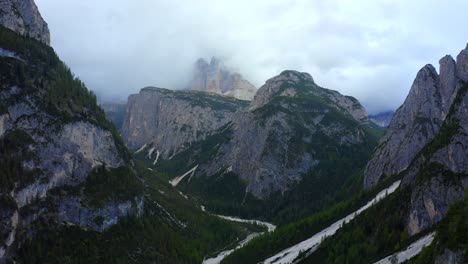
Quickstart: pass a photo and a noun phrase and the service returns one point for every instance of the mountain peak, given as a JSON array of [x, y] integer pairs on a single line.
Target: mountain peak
[[216, 62], [296, 75], [23, 17], [462, 64], [216, 78]]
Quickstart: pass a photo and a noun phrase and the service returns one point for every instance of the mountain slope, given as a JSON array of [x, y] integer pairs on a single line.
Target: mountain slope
[[295, 142], [53, 135], [172, 229], [70, 190], [435, 179], [167, 122], [419, 119]]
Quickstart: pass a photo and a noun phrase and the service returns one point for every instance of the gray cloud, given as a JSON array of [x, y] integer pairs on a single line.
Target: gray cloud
[[368, 49]]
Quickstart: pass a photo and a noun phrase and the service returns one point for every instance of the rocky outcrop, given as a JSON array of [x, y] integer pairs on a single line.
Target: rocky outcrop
[[23, 17], [217, 78], [101, 218], [419, 119], [66, 157], [439, 174], [430, 202], [168, 122], [289, 83]]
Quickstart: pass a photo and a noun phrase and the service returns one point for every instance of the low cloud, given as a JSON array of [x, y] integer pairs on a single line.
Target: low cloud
[[368, 49]]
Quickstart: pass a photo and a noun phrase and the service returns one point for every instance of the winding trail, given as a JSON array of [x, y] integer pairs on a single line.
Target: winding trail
[[291, 254]]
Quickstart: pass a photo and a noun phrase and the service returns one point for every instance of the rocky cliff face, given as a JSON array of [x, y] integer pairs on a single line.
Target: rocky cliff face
[[23, 17], [217, 78], [53, 136], [164, 122], [426, 143], [438, 176], [419, 119]]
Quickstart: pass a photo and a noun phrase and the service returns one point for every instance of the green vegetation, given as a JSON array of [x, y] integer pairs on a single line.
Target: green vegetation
[[156, 237], [287, 235], [198, 153], [118, 184], [376, 233], [13, 149], [380, 230], [449, 128], [224, 193], [337, 175], [46, 80]]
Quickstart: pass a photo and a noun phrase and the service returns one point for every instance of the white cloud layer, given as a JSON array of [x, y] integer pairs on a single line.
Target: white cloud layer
[[365, 48]]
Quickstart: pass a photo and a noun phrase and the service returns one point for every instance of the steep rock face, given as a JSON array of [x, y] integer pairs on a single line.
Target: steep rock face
[[216, 78], [276, 139], [167, 122], [439, 174], [23, 17], [426, 142], [419, 119], [53, 136]]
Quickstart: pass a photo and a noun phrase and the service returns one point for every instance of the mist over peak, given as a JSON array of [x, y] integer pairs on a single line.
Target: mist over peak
[[368, 50]]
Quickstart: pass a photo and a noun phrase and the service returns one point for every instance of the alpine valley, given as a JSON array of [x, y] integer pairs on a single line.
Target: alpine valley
[[223, 172]]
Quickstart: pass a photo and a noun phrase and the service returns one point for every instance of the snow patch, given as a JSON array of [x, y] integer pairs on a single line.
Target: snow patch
[[9, 54], [141, 149], [150, 152], [157, 157], [176, 180], [411, 251], [310, 245]]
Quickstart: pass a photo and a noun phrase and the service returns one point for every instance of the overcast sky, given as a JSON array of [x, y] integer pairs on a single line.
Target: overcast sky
[[369, 49]]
